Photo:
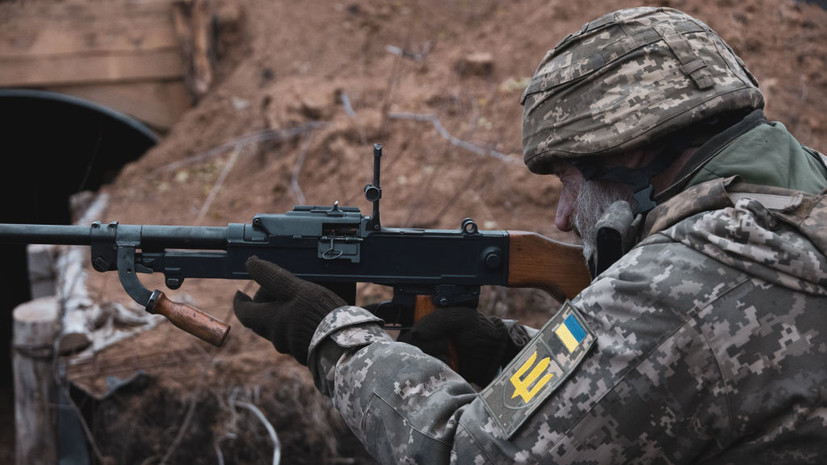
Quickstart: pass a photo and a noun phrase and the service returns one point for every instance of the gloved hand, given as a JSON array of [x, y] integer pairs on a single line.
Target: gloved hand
[[286, 310], [483, 343]]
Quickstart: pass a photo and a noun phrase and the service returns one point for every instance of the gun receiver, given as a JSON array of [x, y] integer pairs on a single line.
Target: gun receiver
[[331, 245]]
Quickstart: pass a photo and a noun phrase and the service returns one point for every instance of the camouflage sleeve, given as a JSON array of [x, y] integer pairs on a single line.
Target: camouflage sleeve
[[584, 408], [343, 329], [408, 407], [403, 404]]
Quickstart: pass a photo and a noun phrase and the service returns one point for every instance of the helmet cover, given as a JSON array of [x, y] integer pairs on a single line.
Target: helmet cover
[[627, 79]]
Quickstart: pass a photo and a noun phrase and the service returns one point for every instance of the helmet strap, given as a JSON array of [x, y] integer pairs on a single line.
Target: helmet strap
[[640, 178]]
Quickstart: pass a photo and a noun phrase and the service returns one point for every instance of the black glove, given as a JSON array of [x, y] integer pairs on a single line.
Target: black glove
[[286, 310], [483, 343]]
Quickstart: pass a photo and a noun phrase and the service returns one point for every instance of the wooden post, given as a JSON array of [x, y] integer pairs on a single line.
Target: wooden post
[[79, 309], [35, 390]]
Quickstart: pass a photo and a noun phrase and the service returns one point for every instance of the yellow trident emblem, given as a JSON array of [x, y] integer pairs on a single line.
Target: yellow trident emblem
[[521, 384]]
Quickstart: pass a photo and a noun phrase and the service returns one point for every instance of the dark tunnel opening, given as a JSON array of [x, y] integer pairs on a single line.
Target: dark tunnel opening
[[53, 146]]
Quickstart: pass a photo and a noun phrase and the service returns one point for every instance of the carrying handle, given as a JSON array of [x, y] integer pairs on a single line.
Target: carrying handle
[[189, 318]]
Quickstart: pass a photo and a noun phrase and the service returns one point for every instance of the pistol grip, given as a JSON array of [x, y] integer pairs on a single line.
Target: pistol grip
[[424, 306]]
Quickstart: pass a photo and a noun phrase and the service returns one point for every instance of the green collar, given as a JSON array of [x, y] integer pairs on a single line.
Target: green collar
[[759, 152]]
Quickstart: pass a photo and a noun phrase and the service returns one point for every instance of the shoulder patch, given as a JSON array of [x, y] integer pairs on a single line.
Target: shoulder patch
[[542, 366]]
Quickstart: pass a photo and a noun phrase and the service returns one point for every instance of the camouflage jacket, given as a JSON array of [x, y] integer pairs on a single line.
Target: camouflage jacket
[[706, 343]]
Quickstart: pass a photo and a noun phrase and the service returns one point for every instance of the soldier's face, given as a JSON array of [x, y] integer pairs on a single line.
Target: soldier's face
[[572, 181], [583, 202]]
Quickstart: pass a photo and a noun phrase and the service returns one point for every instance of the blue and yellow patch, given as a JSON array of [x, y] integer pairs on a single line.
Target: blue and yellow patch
[[571, 333], [542, 366]]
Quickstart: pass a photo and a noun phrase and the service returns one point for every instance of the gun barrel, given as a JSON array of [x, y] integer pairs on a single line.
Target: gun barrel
[[44, 234], [151, 236]]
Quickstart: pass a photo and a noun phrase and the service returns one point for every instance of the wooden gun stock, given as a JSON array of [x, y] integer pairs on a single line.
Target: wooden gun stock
[[539, 262]]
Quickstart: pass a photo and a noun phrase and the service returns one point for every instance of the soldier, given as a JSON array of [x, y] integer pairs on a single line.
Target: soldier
[[703, 336]]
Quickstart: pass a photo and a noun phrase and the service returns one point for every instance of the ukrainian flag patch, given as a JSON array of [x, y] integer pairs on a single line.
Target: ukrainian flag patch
[[542, 366], [571, 333]]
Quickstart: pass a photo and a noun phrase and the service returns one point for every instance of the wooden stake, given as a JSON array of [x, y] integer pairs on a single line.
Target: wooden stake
[[35, 391]]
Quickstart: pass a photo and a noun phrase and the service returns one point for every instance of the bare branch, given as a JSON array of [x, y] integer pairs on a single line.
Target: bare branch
[[86, 431], [218, 183], [270, 430], [489, 152], [184, 426], [294, 182], [352, 115], [403, 53], [260, 136]]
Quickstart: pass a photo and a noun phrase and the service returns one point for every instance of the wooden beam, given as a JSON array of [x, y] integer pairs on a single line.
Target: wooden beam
[[67, 38], [150, 59], [59, 44], [192, 25], [158, 103], [74, 69]]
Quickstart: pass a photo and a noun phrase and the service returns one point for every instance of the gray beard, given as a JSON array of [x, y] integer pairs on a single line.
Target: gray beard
[[593, 198]]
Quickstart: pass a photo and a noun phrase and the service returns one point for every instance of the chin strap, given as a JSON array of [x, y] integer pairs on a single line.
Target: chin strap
[[640, 178]]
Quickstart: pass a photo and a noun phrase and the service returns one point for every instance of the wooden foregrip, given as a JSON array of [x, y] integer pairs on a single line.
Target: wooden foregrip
[[191, 320], [555, 267]]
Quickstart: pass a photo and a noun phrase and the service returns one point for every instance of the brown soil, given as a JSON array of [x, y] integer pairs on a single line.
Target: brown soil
[[285, 64]]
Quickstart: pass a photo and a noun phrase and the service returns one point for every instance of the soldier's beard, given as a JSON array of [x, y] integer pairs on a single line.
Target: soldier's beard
[[593, 198]]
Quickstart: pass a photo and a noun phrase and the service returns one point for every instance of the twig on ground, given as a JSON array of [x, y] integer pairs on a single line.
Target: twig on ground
[[259, 136], [387, 98], [472, 176], [86, 431], [346, 104], [218, 453], [352, 115], [403, 53], [193, 402], [270, 430], [294, 182], [218, 183], [183, 429], [489, 152]]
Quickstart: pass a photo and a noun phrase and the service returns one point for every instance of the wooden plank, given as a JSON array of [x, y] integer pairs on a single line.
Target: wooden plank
[[157, 103], [73, 69], [146, 58], [82, 28], [59, 44], [69, 40]]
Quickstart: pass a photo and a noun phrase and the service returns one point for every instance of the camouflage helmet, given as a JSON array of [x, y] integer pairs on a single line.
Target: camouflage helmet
[[628, 79]]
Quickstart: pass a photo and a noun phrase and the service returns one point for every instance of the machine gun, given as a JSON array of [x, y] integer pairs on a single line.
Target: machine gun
[[331, 245]]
